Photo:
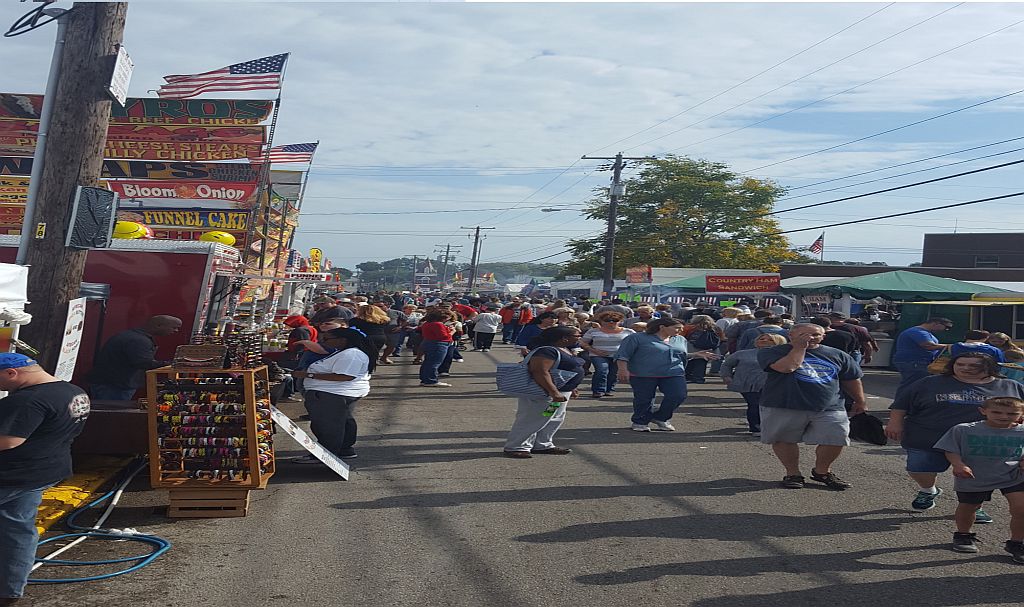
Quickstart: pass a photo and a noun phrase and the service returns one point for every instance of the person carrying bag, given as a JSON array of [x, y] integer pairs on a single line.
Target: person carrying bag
[[544, 382]]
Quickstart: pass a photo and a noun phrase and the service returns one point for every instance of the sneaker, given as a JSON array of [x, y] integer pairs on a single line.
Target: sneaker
[[640, 428], [609, 393], [663, 426], [306, 459], [793, 481], [981, 517], [831, 481], [553, 451], [444, 374], [348, 456], [459, 360], [439, 384], [598, 395], [517, 454], [1016, 550], [925, 500], [755, 434], [486, 350], [965, 542]]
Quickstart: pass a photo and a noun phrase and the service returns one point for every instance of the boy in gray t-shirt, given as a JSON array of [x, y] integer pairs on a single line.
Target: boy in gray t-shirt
[[986, 456]]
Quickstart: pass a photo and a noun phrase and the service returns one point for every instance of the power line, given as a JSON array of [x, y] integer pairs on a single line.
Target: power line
[[902, 164], [739, 84], [811, 73], [941, 166], [887, 131], [904, 214], [902, 187], [842, 92]]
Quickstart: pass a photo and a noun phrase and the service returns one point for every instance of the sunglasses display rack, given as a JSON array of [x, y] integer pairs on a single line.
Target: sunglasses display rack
[[210, 437]]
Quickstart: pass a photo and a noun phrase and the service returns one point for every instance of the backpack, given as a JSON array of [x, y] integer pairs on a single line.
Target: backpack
[[705, 340]]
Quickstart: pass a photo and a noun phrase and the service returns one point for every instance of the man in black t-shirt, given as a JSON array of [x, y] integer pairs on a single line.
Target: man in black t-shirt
[[38, 421]]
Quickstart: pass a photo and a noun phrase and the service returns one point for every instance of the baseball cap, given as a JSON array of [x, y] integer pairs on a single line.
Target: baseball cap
[[11, 360]]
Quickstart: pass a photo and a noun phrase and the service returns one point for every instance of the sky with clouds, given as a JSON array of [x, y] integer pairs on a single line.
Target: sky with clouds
[[486, 108]]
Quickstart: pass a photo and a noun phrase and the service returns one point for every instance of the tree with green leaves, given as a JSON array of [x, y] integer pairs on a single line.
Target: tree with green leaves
[[683, 213]]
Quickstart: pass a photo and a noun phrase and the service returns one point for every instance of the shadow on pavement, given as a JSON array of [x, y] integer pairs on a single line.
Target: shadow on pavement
[[716, 488], [795, 563], [932, 591], [736, 527]]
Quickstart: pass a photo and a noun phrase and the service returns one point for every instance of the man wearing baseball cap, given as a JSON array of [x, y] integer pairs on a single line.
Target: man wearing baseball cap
[[38, 421]]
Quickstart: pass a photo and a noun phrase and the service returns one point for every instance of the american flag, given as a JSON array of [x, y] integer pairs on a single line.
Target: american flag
[[258, 74], [294, 152], [818, 245]]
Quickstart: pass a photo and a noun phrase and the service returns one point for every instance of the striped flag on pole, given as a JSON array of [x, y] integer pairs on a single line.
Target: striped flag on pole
[[293, 152], [818, 245], [258, 74]]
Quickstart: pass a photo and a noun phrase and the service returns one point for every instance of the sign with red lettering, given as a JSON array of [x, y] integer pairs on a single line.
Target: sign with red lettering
[[128, 169], [15, 131], [766, 283], [191, 190], [148, 150]]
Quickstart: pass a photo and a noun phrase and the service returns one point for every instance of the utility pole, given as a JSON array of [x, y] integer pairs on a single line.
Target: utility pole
[[476, 257], [447, 259], [77, 134], [616, 192]]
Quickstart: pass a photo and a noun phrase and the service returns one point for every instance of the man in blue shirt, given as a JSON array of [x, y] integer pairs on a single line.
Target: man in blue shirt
[[916, 347]]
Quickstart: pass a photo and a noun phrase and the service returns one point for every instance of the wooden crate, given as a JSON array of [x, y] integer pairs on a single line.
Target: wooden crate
[[208, 503]]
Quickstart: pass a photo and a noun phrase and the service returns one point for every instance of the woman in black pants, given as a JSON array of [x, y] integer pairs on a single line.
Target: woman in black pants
[[333, 386]]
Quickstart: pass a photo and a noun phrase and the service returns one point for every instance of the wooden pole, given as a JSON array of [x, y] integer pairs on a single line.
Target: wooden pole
[[74, 157]]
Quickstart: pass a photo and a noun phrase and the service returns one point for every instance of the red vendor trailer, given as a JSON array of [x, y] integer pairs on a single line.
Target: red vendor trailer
[[187, 279]]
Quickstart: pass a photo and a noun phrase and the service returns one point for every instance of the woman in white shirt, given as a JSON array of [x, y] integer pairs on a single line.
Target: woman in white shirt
[[487, 324], [333, 385], [602, 344]]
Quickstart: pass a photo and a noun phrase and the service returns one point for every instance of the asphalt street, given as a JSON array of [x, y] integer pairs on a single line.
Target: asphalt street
[[433, 515]]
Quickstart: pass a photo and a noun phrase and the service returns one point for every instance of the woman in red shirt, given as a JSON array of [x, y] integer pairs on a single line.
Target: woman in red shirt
[[438, 348]]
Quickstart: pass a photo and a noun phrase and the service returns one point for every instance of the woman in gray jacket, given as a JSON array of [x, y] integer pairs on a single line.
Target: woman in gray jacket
[[742, 374]]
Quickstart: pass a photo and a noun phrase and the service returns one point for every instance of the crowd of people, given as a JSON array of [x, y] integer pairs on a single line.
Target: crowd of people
[[799, 378]]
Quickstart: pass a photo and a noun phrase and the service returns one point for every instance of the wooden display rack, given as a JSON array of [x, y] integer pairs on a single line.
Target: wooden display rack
[[170, 465]]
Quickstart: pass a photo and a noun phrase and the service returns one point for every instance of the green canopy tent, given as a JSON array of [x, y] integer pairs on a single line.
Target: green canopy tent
[[899, 285]]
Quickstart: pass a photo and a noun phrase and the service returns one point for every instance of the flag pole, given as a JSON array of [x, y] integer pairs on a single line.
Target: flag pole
[[821, 254], [284, 214]]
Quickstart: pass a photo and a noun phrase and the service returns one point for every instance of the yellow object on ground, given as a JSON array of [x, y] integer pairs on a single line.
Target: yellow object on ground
[[92, 475]]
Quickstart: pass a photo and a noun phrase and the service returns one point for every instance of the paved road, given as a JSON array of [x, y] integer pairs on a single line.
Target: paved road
[[434, 516]]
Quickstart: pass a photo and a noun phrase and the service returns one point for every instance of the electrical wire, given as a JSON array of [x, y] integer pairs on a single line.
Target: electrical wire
[[81, 533], [795, 80], [904, 214], [887, 131], [842, 92], [895, 166], [893, 189], [739, 84]]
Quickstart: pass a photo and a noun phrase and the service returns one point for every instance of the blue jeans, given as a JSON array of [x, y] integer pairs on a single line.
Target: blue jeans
[[673, 390], [102, 392], [437, 358], [605, 377], [510, 332], [18, 537], [753, 410]]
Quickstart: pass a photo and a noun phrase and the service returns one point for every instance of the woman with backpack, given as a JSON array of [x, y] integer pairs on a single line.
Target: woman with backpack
[[705, 336]]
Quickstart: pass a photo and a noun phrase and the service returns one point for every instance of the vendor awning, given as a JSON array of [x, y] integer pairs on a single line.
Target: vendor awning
[[899, 285]]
